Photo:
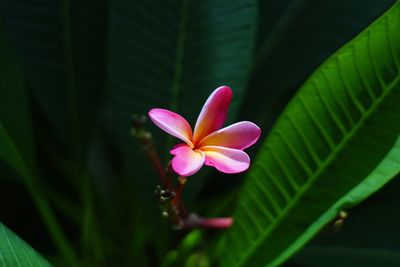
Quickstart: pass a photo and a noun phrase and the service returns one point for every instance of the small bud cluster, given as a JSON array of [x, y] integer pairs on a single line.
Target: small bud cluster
[[164, 195], [168, 210]]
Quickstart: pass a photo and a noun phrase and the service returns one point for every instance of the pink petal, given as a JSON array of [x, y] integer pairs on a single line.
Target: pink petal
[[240, 135], [213, 114], [194, 221], [216, 223], [227, 160], [172, 123], [186, 161]]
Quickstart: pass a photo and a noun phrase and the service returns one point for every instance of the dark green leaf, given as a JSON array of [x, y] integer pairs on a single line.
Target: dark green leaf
[[372, 226], [343, 256], [14, 103], [332, 138], [17, 143], [61, 45], [10, 154]]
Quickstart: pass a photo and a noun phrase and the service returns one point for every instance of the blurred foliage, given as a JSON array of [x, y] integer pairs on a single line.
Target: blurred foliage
[[76, 186]]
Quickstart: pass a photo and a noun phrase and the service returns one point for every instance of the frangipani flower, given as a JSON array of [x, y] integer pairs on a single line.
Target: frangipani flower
[[208, 144]]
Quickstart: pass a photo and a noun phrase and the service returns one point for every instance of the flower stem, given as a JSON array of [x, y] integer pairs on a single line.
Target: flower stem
[[177, 200], [146, 141], [179, 190]]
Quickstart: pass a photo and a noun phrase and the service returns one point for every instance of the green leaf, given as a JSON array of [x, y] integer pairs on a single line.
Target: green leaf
[[14, 103], [17, 146], [386, 170], [372, 226], [330, 139], [286, 56], [10, 154], [14, 252], [61, 46]]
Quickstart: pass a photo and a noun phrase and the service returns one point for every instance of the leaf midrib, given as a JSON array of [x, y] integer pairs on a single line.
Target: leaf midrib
[[325, 164]]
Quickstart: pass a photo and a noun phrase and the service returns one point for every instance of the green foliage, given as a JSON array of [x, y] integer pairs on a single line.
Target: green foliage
[[18, 151], [341, 124], [14, 100], [61, 46], [14, 252], [73, 72]]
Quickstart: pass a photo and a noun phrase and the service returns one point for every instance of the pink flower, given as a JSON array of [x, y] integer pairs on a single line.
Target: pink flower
[[208, 144]]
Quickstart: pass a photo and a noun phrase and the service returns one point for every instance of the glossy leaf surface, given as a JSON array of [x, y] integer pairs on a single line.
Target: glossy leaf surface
[[342, 123], [14, 252]]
